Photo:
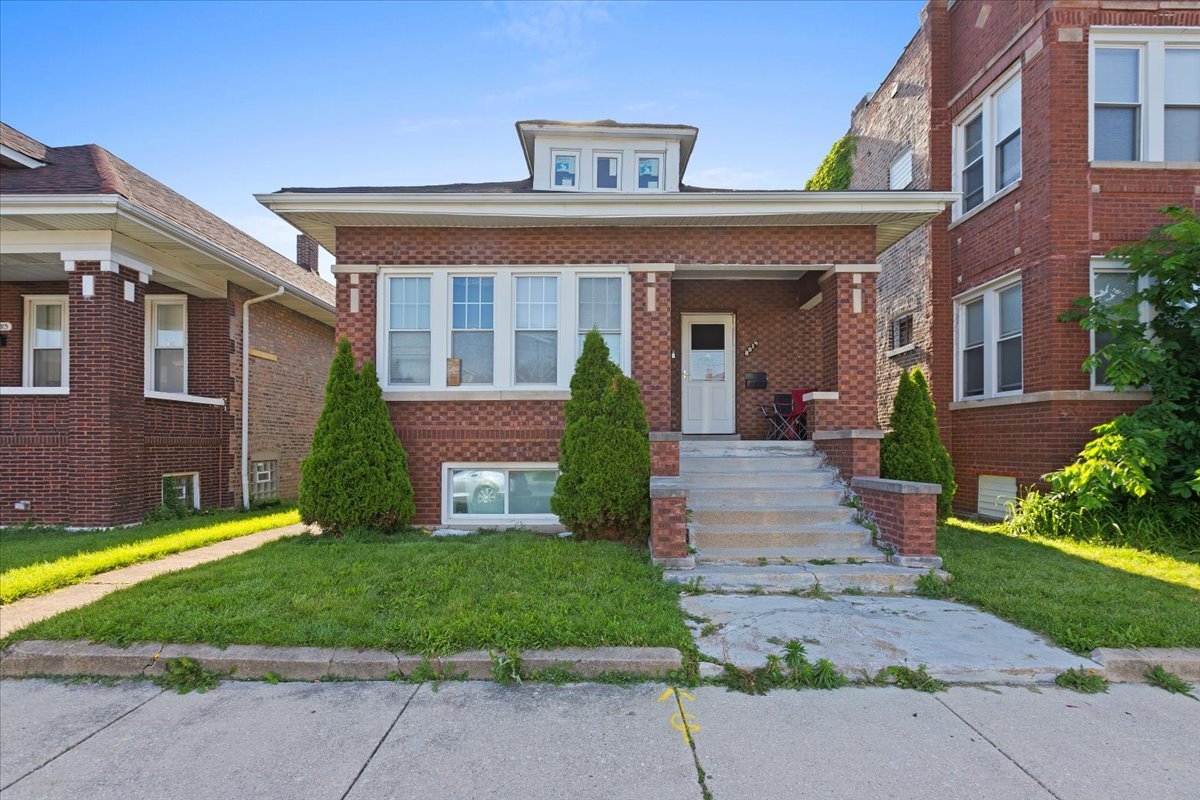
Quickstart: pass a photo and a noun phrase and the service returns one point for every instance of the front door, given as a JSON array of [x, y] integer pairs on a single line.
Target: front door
[[708, 373]]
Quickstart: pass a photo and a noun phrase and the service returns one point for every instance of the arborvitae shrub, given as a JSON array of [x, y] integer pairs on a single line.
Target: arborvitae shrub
[[912, 449]]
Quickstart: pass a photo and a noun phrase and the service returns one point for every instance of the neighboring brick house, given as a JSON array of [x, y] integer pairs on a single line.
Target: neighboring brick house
[[121, 346], [1065, 125], [474, 298]]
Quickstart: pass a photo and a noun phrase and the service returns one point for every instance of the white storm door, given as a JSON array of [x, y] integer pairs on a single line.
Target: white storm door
[[708, 373]]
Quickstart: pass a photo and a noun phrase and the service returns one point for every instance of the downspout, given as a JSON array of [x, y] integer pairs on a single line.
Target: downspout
[[246, 390]]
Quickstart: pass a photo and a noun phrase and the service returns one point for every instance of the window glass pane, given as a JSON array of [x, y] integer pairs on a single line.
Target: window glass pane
[[1113, 287], [608, 169], [47, 327], [1008, 378], [476, 350], [613, 340], [1182, 134], [1008, 161], [1116, 75], [536, 355], [537, 303], [1010, 311], [1008, 110], [900, 174], [529, 491], [1183, 76], [169, 329], [708, 337], [169, 374], [973, 139], [408, 357], [902, 330], [473, 303], [564, 169], [1103, 338], [478, 491], [706, 365], [973, 371], [47, 367], [648, 172], [973, 185], [1116, 132], [974, 312], [600, 304], [408, 300]]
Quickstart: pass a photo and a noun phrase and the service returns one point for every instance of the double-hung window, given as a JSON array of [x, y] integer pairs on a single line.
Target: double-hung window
[[472, 338], [600, 308], [535, 346], [408, 331], [166, 350], [987, 143], [1112, 282], [45, 361], [1145, 94], [989, 339]]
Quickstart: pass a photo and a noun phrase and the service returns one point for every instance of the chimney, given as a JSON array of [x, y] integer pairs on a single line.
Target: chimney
[[306, 252]]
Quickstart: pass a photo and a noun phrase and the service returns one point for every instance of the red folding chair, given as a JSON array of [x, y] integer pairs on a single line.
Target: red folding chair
[[797, 420]]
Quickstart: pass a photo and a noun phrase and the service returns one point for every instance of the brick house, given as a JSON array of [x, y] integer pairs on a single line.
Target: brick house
[[1064, 125], [474, 299], [121, 345]]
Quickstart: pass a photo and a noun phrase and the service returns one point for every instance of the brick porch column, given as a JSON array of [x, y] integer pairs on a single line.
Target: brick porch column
[[905, 518], [842, 417]]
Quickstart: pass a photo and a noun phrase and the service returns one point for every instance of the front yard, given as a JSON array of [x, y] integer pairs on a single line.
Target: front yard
[[405, 592], [1082, 596]]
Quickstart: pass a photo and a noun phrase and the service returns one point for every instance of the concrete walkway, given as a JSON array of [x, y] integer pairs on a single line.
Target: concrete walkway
[[478, 740], [15, 616]]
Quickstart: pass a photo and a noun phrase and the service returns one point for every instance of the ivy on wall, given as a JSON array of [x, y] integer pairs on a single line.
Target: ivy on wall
[[835, 171]]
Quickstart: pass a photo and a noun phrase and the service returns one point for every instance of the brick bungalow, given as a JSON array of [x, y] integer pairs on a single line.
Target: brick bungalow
[[1065, 125], [474, 298], [121, 345]]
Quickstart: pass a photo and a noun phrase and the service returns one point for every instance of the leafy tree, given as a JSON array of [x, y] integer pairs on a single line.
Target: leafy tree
[[356, 473], [912, 449], [835, 172], [603, 488]]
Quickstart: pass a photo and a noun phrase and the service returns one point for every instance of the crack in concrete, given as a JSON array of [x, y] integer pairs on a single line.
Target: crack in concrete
[[701, 776], [379, 744]]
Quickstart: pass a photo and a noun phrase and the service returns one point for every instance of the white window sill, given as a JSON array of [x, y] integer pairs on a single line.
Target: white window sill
[[394, 394], [186, 398], [1144, 164], [1005, 192], [35, 390], [901, 350], [1060, 395]]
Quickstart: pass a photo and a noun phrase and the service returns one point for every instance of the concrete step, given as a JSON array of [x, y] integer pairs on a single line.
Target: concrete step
[[768, 481], [798, 578], [748, 537], [789, 464], [797, 548], [793, 513], [709, 497], [743, 448]]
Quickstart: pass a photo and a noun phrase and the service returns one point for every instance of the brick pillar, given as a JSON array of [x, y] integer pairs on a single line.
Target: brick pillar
[[107, 404], [651, 301], [668, 523], [356, 293], [842, 417], [905, 517]]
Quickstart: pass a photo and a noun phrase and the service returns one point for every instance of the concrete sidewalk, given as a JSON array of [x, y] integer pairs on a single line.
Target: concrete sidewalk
[[480, 740], [15, 616]]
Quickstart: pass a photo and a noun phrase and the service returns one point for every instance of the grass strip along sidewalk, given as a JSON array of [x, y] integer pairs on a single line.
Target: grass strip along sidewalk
[[406, 592], [39, 560]]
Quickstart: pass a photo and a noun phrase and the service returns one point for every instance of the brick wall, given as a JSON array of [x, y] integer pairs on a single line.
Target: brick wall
[[905, 516]]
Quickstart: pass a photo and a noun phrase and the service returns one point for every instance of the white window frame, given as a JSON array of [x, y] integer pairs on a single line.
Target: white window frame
[[385, 311], [504, 311], [1101, 265], [905, 161], [986, 104], [1152, 43], [619, 156], [990, 292], [488, 520], [194, 477], [557, 151], [662, 168], [153, 301], [558, 283], [27, 348]]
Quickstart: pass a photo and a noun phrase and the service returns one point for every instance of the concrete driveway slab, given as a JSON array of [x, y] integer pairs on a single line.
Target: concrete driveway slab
[[582, 741], [292, 740], [850, 743], [864, 633], [39, 719], [1134, 741]]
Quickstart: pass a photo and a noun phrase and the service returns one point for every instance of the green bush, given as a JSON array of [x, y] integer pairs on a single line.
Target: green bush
[[1157, 524], [603, 488], [834, 173], [357, 471], [912, 449]]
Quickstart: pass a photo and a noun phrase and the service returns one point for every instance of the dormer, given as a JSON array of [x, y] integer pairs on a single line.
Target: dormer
[[605, 156]]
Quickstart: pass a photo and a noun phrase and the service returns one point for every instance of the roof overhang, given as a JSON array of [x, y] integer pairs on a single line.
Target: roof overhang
[[893, 214], [686, 135], [85, 227]]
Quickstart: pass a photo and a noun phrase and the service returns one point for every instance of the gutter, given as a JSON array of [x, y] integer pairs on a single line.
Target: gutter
[[246, 389]]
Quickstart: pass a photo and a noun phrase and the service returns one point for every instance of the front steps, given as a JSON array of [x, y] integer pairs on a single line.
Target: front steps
[[761, 514]]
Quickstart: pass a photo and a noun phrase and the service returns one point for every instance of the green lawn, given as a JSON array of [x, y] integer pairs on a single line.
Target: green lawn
[[407, 592], [1081, 596], [36, 560]]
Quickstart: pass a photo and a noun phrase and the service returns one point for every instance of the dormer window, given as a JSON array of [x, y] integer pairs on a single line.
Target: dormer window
[[566, 170], [608, 172], [649, 172]]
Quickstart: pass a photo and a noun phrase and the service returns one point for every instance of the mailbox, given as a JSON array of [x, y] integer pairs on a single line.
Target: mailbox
[[756, 380]]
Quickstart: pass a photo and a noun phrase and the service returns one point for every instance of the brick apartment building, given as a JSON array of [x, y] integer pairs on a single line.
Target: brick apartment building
[[474, 299], [1065, 124], [121, 344]]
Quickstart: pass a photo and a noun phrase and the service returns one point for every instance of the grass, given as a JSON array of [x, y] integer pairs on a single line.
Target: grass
[[500, 592], [38, 560], [1081, 596]]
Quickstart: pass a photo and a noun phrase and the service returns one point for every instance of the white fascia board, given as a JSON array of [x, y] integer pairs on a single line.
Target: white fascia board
[[53, 204], [20, 158], [53, 241]]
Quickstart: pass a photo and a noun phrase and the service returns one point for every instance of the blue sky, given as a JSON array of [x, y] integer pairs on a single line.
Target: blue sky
[[220, 100]]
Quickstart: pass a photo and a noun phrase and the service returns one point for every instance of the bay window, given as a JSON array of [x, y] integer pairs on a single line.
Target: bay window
[[46, 350], [166, 348], [989, 342], [987, 145]]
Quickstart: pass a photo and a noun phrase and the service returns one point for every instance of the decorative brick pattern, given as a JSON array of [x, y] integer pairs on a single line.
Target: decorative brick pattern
[[358, 327], [652, 347], [668, 527], [848, 349]]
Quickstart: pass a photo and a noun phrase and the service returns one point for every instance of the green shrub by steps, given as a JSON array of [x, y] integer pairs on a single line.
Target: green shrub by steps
[[603, 489], [357, 471], [912, 449]]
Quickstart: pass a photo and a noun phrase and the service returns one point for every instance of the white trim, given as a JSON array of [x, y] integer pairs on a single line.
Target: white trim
[[567, 151], [598, 154], [184, 398], [808, 397], [153, 301], [392, 395], [707, 425], [908, 348], [34, 390], [661, 155], [989, 294], [20, 158], [985, 105], [195, 476], [27, 333], [904, 161], [448, 516], [1053, 396]]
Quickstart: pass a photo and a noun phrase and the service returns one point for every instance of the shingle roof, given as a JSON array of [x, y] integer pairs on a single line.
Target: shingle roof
[[90, 169], [25, 145]]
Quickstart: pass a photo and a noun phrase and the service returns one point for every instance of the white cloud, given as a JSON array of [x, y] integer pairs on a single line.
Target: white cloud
[[552, 27]]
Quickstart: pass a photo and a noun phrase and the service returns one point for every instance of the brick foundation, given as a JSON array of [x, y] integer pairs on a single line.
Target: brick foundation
[[905, 514]]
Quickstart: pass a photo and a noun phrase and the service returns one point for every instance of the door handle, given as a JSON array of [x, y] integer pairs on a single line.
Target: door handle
[[685, 374]]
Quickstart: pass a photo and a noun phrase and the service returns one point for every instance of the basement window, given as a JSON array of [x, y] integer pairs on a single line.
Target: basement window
[[264, 480], [186, 486], [504, 493]]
